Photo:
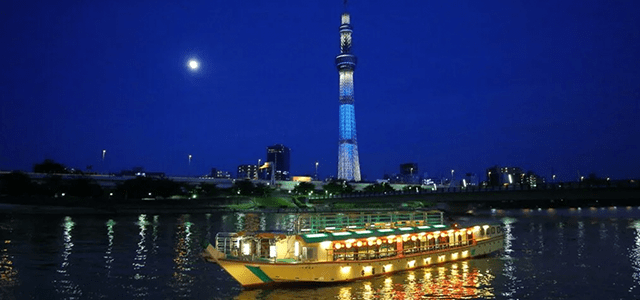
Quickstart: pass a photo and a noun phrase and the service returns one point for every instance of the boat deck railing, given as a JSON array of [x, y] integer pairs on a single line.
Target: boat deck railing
[[313, 223]]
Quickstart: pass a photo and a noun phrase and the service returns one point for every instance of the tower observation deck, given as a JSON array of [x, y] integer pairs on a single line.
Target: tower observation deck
[[348, 161]]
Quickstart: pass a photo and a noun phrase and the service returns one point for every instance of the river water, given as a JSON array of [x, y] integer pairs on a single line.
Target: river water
[[588, 253]]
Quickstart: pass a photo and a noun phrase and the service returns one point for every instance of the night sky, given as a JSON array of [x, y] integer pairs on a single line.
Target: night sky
[[463, 85]]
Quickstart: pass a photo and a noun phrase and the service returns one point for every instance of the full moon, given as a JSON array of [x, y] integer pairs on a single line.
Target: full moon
[[193, 64]]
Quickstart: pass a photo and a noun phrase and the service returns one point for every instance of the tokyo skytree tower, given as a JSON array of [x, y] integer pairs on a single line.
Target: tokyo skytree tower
[[348, 161]]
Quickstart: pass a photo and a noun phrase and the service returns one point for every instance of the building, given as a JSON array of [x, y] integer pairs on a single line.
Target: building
[[505, 176], [215, 173], [247, 172], [533, 180], [279, 156], [409, 173], [348, 160], [470, 179]]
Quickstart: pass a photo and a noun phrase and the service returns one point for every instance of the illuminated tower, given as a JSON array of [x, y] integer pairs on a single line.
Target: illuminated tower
[[348, 161]]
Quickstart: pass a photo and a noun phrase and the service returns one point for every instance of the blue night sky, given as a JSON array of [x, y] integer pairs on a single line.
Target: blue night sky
[[461, 85]]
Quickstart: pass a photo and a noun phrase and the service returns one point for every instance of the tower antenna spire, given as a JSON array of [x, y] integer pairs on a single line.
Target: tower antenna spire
[[345, 4]]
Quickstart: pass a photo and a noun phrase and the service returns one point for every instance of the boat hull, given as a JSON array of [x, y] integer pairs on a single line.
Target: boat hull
[[256, 274]]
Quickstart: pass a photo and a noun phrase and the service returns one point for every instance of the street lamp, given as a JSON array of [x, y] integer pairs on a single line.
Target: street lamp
[[411, 176], [316, 170], [452, 173], [189, 167], [258, 169], [104, 152]]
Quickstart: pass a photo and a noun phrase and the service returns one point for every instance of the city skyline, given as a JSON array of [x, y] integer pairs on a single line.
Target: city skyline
[[451, 86]]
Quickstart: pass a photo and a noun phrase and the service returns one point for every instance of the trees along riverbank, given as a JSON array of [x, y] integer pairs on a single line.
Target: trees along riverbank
[[58, 188], [144, 192]]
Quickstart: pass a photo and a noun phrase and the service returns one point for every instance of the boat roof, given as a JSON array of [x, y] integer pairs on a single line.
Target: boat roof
[[312, 223], [367, 233]]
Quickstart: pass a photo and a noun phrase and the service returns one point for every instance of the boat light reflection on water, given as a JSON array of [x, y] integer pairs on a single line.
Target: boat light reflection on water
[[183, 247], [634, 255], [8, 272], [141, 253], [450, 281], [65, 284], [509, 268], [109, 252]]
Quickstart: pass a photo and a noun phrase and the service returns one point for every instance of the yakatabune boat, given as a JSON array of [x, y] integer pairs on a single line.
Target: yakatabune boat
[[341, 247]]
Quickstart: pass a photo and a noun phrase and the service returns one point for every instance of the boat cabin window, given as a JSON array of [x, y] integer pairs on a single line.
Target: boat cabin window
[[309, 253], [272, 251], [387, 249], [340, 254], [365, 251], [410, 246], [264, 251], [443, 241], [431, 243]]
